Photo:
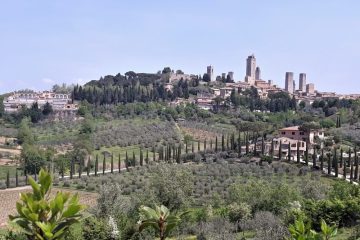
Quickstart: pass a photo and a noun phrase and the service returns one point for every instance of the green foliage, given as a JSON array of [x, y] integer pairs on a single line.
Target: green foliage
[[300, 231], [24, 134], [43, 217], [159, 219], [327, 123], [96, 228]]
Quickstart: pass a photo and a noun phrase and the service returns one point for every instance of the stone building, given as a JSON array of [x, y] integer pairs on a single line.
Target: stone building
[[250, 69], [310, 88], [302, 82], [210, 72], [289, 82]]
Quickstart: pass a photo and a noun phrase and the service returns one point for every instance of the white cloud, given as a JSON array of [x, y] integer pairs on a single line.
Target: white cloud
[[48, 81]]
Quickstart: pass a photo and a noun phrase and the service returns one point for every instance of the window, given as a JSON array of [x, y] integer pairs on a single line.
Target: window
[[293, 133], [283, 133], [302, 133]]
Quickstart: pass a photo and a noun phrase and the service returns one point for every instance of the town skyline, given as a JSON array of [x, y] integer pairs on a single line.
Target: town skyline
[[73, 46]]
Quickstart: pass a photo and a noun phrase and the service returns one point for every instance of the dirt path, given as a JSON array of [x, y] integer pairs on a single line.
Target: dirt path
[[9, 197]]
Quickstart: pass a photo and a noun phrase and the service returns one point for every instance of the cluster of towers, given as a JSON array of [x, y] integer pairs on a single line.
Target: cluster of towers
[[303, 87], [210, 73]]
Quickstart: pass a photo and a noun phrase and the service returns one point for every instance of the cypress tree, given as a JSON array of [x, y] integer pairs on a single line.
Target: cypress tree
[[272, 148], [247, 146], [262, 146], [71, 169], [104, 164], [153, 150], [239, 146], [178, 155], [336, 164], [344, 170], [307, 154], [216, 143], [280, 152], [255, 150], [8, 179], [192, 147], [205, 144], [147, 156], [349, 159], [62, 172], [119, 163], [198, 145], [126, 161], [133, 160], [298, 152], [112, 163], [211, 144], [96, 164], [314, 158], [289, 152], [222, 143], [322, 160], [227, 142], [356, 165], [341, 157], [351, 170], [186, 147], [88, 167], [16, 178], [80, 168], [141, 158], [26, 177], [329, 163]]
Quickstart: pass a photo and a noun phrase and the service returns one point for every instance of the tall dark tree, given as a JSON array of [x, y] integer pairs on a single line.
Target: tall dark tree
[[298, 152], [336, 164]]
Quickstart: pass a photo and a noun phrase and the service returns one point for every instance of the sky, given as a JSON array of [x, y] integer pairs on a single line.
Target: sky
[[64, 41]]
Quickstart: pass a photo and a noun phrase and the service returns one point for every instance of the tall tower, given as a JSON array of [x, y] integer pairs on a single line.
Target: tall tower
[[257, 73], [289, 82], [250, 69], [210, 72], [302, 82], [231, 75]]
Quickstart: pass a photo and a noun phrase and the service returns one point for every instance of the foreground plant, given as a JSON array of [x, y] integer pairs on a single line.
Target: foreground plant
[[159, 219], [41, 217], [300, 231]]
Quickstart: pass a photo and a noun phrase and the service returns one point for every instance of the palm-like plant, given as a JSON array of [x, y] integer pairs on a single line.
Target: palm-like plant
[[159, 219], [43, 218]]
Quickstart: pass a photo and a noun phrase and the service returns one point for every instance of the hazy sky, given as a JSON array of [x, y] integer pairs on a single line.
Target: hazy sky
[[47, 42]]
